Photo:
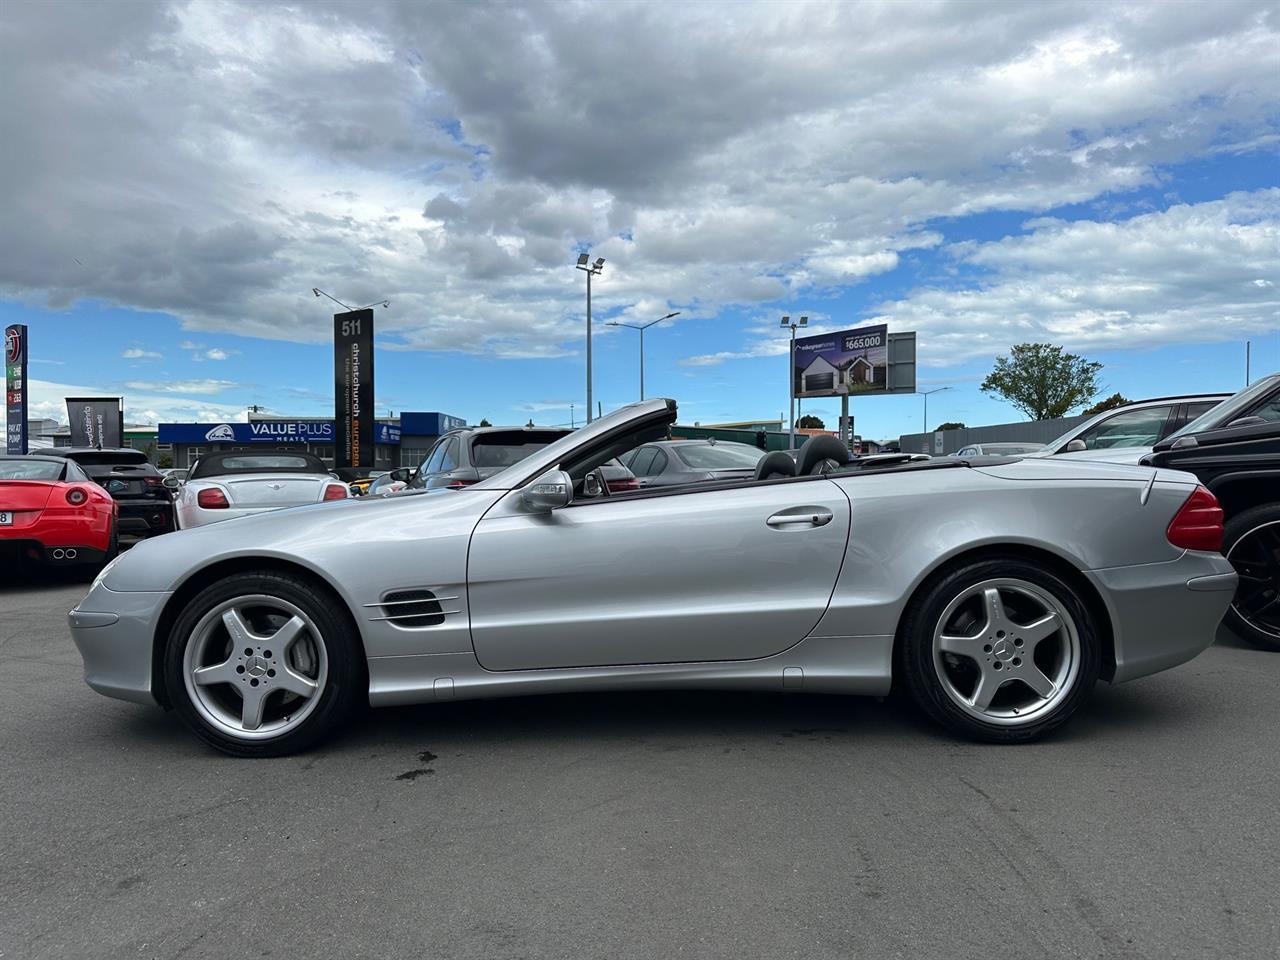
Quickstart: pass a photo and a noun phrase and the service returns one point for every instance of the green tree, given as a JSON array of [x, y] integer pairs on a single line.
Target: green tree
[[1042, 381], [1113, 401], [484, 422], [810, 422], [949, 425]]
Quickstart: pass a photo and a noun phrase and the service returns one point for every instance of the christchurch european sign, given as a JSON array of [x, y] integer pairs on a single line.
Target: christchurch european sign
[[266, 431]]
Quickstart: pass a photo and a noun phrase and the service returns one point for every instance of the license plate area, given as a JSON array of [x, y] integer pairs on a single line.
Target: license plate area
[[6, 518]]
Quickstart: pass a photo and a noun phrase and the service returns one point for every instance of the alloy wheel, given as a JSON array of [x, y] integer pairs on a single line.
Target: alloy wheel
[[1256, 558], [255, 666], [1006, 651]]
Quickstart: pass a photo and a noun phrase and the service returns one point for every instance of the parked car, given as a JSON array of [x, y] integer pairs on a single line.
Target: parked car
[[177, 474], [471, 454], [52, 513], [997, 593], [667, 462], [997, 449], [361, 485], [1234, 450], [222, 486], [1126, 434], [145, 504]]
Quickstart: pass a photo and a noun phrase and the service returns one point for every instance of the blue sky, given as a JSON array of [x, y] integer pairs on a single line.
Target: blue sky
[[1106, 178]]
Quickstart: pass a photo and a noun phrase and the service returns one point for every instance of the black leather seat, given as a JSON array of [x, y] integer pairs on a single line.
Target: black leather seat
[[774, 465], [815, 453]]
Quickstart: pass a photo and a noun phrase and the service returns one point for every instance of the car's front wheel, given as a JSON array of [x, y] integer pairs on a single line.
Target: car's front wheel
[[263, 664], [1251, 541], [1001, 650]]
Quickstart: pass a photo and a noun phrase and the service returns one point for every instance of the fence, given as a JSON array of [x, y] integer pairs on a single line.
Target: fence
[[1029, 431]]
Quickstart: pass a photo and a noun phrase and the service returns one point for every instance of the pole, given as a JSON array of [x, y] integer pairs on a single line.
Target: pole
[[1248, 348], [924, 425], [642, 363], [791, 388], [588, 346], [844, 419]]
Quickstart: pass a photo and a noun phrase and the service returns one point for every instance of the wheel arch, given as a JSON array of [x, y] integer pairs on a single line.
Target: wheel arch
[[1055, 563], [212, 573], [1244, 489]]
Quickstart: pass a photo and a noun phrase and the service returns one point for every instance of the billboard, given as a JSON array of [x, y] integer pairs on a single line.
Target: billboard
[[353, 389], [96, 421], [15, 388], [862, 362], [266, 431]]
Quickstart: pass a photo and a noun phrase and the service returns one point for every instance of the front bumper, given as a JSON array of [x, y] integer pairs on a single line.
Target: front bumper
[[1163, 614], [114, 634]]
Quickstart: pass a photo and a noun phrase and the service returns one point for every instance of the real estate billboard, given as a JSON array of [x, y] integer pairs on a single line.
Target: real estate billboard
[[847, 363]]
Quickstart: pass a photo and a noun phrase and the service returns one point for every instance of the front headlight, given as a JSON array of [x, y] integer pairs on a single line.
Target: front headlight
[[102, 574]]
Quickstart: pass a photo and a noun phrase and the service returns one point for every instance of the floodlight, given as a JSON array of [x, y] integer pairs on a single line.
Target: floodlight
[[599, 262], [786, 321], [804, 321], [582, 259], [316, 291]]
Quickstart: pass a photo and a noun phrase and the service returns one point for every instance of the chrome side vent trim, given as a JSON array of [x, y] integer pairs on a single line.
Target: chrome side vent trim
[[412, 608]]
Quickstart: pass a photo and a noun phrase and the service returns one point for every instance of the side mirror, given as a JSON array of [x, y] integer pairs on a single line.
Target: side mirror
[[171, 483], [1247, 422], [551, 490], [1075, 446]]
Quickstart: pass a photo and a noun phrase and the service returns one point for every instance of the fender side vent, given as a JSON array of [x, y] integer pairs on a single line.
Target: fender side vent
[[412, 608]]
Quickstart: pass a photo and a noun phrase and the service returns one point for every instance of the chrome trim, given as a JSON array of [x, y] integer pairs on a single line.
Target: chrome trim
[[396, 603], [414, 616]]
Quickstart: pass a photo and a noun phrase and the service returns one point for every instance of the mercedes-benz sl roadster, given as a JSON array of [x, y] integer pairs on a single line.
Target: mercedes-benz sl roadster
[[996, 592]]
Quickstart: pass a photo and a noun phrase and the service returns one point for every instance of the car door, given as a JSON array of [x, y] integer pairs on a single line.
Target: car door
[[676, 576]]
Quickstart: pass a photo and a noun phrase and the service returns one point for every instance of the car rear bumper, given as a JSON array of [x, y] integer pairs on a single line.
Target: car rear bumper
[[114, 632], [1163, 614], [32, 550], [144, 519]]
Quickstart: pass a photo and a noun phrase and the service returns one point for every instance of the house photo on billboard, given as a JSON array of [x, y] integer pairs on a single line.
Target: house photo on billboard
[[848, 362]]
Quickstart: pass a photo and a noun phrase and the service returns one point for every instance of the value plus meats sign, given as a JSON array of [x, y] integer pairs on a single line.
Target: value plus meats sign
[[353, 389], [15, 388]]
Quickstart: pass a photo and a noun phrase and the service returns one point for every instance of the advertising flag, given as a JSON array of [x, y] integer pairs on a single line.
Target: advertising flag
[[15, 388], [96, 422]]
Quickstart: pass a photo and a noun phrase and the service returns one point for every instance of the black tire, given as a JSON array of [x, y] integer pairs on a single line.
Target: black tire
[[1250, 522], [916, 652], [345, 687]]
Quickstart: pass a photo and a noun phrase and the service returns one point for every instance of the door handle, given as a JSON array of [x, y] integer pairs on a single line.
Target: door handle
[[801, 516]]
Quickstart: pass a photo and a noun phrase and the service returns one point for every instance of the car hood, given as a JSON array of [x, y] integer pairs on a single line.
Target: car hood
[[296, 534]]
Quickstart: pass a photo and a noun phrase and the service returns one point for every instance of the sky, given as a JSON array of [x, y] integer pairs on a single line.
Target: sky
[[177, 177]]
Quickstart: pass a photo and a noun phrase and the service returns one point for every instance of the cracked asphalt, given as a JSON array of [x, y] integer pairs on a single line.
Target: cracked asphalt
[[658, 825]]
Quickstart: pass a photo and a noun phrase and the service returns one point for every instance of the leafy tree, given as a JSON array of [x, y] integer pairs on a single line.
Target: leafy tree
[[1042, 381], [810, 422], [484, 422], [1113, 401], [949, 425]]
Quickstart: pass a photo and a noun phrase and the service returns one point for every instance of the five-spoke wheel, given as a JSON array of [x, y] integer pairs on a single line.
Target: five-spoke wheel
[[1000, 649], [262, 664]]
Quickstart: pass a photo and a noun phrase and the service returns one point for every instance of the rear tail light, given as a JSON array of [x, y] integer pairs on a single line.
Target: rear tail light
[[154, 481], [76, 496], [459, 484], [335, 492], [622, 486], [212, 499], [1198, 525]]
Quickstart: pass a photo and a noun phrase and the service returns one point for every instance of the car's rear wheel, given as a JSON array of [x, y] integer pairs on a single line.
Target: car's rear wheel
[[263, 664], [1001, 650], [1251, 541]]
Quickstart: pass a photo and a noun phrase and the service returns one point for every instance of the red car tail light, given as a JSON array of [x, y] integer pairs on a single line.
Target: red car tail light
[[459, 484], [212, 499], [1198, 525], [335, 492], [76, 496], [154, 481], [622, 486]]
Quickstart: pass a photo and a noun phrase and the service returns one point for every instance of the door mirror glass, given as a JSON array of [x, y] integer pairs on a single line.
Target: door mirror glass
[[551, 490], [172, 483], [1076, 446]]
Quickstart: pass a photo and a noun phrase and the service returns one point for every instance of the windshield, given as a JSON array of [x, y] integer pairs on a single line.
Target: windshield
[[506, 449], [29, 470], [1227, 410], [719, 456]]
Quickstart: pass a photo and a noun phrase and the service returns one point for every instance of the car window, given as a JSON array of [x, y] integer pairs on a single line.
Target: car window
[[449, 460], [1194, 410], [30, 470], [967, 452], [504, 448], [432, 462], [1133, 428], [1269, 409], [659, 464], [642, 461], [718, 456]]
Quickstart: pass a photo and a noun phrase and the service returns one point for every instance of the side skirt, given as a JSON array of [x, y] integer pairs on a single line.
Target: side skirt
[[853, 665]]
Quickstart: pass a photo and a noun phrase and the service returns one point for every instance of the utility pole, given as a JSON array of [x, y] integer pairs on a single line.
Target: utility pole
[[791, 372], [590, 269], [642, 327]]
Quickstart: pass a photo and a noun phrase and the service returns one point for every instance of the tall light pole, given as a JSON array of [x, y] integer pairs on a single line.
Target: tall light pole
[[925, 394], [590, 269], [642, 327], [791, 373]]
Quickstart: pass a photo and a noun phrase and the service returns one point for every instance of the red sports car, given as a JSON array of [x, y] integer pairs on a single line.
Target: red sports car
[[51, 512]]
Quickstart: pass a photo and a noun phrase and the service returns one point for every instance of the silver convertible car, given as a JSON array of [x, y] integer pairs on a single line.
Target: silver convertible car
[[995, 591]]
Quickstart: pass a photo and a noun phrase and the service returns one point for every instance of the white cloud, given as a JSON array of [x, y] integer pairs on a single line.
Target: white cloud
[[182, 386], [48, 399], [137, 353]]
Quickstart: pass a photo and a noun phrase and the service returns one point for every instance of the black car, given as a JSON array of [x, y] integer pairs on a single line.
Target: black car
[[146, 505], [463, 457], [1234, 449]]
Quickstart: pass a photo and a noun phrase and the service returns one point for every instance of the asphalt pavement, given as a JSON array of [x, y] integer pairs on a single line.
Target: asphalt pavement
[[639, 825]]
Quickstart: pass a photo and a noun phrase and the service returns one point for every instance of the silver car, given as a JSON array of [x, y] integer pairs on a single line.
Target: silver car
[[1126, 434], [996, 593], [223, 486]]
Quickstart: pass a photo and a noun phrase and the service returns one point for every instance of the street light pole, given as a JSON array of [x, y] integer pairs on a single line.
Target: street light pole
[[925, 393], [791, 373], [590, 269], [642, 327]]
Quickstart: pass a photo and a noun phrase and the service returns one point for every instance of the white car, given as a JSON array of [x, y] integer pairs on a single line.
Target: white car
[[1126, 434], [222, 486]]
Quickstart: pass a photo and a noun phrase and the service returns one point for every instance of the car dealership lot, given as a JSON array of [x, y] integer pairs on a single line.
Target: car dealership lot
[[639, 825]]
